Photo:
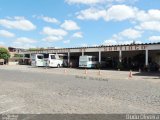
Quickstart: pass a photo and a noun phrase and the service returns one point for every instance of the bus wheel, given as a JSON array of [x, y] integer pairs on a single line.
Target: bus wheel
[[58, 66]]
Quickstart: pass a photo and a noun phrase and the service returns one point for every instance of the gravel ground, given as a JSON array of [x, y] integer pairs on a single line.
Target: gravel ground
[[24, 91], [111, 74]]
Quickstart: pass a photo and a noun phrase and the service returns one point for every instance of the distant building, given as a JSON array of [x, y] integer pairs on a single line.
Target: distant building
[[13, 51], [15, 55]]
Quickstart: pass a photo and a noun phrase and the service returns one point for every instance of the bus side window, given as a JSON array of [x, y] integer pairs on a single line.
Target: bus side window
[[53, 57]]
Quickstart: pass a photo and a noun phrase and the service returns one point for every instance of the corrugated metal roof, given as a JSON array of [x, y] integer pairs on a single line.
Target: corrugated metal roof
[[100, 46]]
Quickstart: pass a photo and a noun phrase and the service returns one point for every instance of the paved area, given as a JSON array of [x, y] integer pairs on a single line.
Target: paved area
[[110, 74], [38, 90]]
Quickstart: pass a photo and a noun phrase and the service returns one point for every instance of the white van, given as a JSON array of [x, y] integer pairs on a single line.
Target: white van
[[37, 60], [87, 62], [52, 60]]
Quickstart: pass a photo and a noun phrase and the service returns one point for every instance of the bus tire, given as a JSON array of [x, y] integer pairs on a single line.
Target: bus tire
[[58, 66]]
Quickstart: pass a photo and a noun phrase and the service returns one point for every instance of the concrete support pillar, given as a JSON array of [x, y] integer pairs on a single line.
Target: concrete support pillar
[[30, 55], [68, 59], [99, 56], [120, 56], [82, 53], [23, 58], [146, 58]]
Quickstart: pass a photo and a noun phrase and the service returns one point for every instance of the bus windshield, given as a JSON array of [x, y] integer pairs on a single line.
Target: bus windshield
[[39, 56]]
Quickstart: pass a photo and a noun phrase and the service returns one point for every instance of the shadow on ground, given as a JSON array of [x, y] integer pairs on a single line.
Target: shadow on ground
[[150, 74]]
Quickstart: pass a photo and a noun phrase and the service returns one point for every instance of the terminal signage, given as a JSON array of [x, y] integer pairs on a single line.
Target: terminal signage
[[61, 50], [125, 48]]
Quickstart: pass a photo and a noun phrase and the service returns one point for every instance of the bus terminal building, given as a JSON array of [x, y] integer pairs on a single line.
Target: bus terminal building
[[131, 56]]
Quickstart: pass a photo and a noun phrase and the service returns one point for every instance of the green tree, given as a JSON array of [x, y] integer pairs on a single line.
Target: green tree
[[4, 54], [18, 55]]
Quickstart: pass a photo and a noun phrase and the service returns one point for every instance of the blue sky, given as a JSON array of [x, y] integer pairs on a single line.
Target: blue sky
[[72, 23]]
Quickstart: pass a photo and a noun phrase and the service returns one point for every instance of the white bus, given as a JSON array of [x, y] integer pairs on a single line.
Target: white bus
[[52, 60], [87, 62], [37, 60], [64, 57]]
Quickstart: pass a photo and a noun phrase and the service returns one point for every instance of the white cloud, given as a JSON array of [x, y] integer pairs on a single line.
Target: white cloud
[[150, 25], [143, 20], [6, 34], [117, 42], [127, 36], [91, 2], [17, 18], [154, 39], [150, 15], [83, 1], [149, 20], [115, 12], [19, 23], [131, 33], [77, 35], [142, 16], [24, 46], [119, 13], [91, 14], [154, 14], [70, 25], [52, 38], [84, 45], [47, 19], [50, 20], [54, 32], [24, 40], [66, 41], [110, 42]]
